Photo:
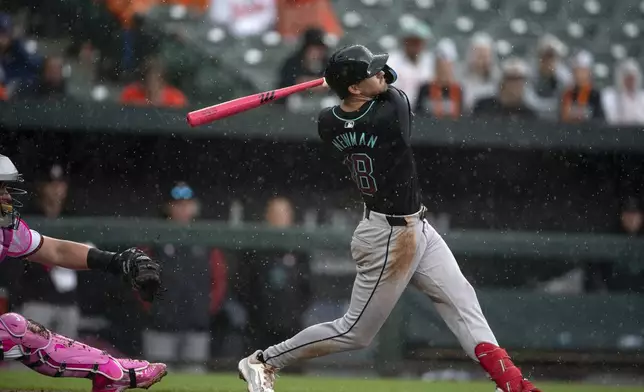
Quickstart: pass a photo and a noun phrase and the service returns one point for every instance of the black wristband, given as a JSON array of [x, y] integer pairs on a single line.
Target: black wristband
[[102, 261]]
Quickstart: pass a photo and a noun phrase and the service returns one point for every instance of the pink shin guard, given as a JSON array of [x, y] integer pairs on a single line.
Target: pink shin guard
[[57, 356]]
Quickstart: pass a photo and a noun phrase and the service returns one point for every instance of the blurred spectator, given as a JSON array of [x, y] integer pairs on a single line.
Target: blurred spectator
[[414, 64], [550, 76], [123, 43], [308, 62], [482, 74], [138, 45], [610, 276], [125, 10], [296, 16], [49, 294], [153, 90], [179, 333], [632, 218], [51, 84], [510, 101], [279, 213], [582, 101], [624, 102], [244, 18], [52, 193], [18, 68], [200, 5], [276, 284], [183, 207], [442, 97]]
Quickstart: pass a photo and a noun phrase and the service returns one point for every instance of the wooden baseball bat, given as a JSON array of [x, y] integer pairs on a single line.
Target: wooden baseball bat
[[230, 108]]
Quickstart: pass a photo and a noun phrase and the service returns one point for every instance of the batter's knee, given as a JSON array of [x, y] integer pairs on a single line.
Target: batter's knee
[[360, 337]]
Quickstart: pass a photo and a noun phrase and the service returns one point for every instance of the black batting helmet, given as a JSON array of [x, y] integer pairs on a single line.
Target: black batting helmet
[[351, 64]]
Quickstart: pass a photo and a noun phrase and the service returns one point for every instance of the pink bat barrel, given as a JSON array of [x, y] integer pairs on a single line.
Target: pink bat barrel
[[230, 108]]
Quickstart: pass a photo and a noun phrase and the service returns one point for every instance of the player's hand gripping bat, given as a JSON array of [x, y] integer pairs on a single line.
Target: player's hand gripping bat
[[230, 108]]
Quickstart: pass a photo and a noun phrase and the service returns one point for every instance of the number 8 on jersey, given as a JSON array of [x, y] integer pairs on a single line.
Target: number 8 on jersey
[[361, 167]]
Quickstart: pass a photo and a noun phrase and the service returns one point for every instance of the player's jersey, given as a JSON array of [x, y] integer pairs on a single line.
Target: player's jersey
[[20, 242], [374, 143]]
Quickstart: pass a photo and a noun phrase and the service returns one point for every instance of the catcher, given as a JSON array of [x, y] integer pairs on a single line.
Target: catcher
[[45, 351]]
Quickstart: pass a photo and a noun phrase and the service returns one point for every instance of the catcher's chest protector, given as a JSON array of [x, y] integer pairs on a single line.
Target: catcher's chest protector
[[54, 355], [6, 235]]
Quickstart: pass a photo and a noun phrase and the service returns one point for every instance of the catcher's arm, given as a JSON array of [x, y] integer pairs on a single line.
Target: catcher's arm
[[136, 268], [60, 253]]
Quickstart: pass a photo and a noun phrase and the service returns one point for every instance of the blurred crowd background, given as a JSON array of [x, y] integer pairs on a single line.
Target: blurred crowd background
[[566, 61], [530, 64]]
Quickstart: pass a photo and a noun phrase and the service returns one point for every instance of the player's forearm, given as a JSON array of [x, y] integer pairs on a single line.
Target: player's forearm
[[73, 255]]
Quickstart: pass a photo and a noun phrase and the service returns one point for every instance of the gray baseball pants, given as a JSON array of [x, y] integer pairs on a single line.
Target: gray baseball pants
[[390, 252]]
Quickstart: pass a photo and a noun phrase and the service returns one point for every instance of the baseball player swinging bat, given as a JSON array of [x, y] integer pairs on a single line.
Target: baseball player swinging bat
[[393, 246], [230, 108]]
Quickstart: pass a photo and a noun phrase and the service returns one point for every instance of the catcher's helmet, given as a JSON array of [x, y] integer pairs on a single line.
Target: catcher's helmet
[[9, 215], [351, 64]]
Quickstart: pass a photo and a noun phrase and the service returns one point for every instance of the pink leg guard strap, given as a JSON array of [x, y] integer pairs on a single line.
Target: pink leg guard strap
[[55, 355]]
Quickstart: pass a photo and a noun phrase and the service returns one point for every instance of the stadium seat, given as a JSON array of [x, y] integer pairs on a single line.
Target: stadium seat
[[431, 11], [485, 11], [589, 9], [610, 28], [541, 12], [603, 69], [628, 33], [578, 33]]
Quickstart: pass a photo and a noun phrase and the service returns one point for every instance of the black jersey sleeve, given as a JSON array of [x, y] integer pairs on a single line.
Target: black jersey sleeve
[[399, 98], [321, 120], [402, 106]]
